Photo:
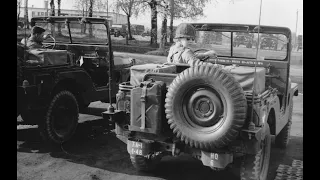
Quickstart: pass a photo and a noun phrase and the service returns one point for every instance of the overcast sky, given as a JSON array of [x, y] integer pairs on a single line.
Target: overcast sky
[[274, 12]]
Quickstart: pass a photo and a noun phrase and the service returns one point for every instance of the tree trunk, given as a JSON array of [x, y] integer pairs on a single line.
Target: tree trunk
[[153, 6], [90, 15], [18, 15], [52, 13], [163, 34], [59, 13], [129, 28], [171, 20], [26, 13]]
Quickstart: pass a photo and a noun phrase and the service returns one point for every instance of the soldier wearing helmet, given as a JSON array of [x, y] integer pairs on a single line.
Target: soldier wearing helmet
[[180, 51], [36, 38]]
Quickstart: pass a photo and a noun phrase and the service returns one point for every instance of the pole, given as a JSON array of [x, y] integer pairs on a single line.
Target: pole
[[251, 124], [295, 38]]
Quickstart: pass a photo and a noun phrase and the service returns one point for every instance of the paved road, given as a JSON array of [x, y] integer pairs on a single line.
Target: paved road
[[95, 153]]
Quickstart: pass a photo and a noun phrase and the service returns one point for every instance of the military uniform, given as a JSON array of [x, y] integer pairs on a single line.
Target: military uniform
[[31, 44], [180, 54]]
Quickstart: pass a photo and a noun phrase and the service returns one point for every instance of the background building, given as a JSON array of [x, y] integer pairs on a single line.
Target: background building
[[114, 18]]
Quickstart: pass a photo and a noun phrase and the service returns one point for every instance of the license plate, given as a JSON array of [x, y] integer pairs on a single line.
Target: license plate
[[136, 148]]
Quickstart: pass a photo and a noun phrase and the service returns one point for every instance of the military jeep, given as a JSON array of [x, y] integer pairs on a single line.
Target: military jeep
[[55, 83], [243, 39], [221, 112]]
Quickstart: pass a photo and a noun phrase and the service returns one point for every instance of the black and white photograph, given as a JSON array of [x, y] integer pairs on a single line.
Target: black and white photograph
[[159, 89]]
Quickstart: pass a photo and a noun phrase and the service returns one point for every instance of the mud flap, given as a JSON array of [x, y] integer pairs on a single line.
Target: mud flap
[[216, 160]]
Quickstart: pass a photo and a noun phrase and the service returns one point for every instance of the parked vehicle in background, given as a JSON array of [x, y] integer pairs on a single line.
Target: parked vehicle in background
[[243, 39], [118, 30], [146, 33], [137, 29], [55, 83], [269, 41]]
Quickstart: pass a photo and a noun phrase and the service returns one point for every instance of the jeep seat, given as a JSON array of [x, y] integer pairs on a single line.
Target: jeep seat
[[138, 72], [245, 76]]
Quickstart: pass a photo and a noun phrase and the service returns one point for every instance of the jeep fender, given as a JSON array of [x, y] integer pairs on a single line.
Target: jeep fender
[[273, 115], [82, 82]]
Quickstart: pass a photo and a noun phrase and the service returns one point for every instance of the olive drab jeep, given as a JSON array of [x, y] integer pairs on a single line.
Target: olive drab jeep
[[55, 83], [227, 108]]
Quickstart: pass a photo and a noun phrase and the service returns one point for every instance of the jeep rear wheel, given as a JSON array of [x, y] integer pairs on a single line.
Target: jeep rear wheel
[[205, 107], [282, 139], [142, 163], [255, 167], [61, 118]]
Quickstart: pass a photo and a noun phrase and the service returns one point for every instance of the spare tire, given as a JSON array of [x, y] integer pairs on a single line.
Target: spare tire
[[205, 107]]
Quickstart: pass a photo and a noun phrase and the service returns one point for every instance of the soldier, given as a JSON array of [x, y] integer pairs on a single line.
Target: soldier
[[36, 38], [180, 51]]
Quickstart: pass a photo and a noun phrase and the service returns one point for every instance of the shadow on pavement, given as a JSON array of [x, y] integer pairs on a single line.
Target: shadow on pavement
[[95, 146]]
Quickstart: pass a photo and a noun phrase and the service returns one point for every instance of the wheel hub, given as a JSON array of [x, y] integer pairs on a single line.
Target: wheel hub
[[204, 108], [61, 120]]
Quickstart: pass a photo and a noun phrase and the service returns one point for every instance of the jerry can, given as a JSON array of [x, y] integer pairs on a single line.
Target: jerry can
[[147, 107]]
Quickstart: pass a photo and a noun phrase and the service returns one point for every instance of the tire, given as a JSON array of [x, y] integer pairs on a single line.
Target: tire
[[205, 91], [251, 166], [19, 71], [282, 139], [142, 163], [49, 130]]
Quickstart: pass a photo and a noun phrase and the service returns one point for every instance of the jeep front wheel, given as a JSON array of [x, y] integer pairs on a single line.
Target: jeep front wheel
[[205, 107], [61, 119], [255, 167]]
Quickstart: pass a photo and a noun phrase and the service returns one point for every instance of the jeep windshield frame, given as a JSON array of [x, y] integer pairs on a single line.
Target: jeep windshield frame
[[247, 28], [73, 20]]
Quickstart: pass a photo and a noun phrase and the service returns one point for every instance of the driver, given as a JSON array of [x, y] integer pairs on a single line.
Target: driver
[[36, 38], [180, 52]]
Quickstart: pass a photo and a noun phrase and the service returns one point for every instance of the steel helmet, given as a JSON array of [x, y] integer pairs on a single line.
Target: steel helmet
[[185, 30]]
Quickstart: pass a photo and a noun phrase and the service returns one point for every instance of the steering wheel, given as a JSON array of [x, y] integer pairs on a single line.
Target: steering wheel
[[206, 57], [54, 42]]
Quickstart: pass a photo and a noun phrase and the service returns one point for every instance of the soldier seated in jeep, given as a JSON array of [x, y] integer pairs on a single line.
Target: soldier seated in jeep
[[36, 38], [180, 52]]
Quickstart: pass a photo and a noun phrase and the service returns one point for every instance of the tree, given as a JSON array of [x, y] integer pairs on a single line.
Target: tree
[[18, 10], [152, 4], [84, 8], [171, 20], [26, 17], [164, 10], [90, 15], [185, 9], [59, 13], [129, 7], [52, 13]]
